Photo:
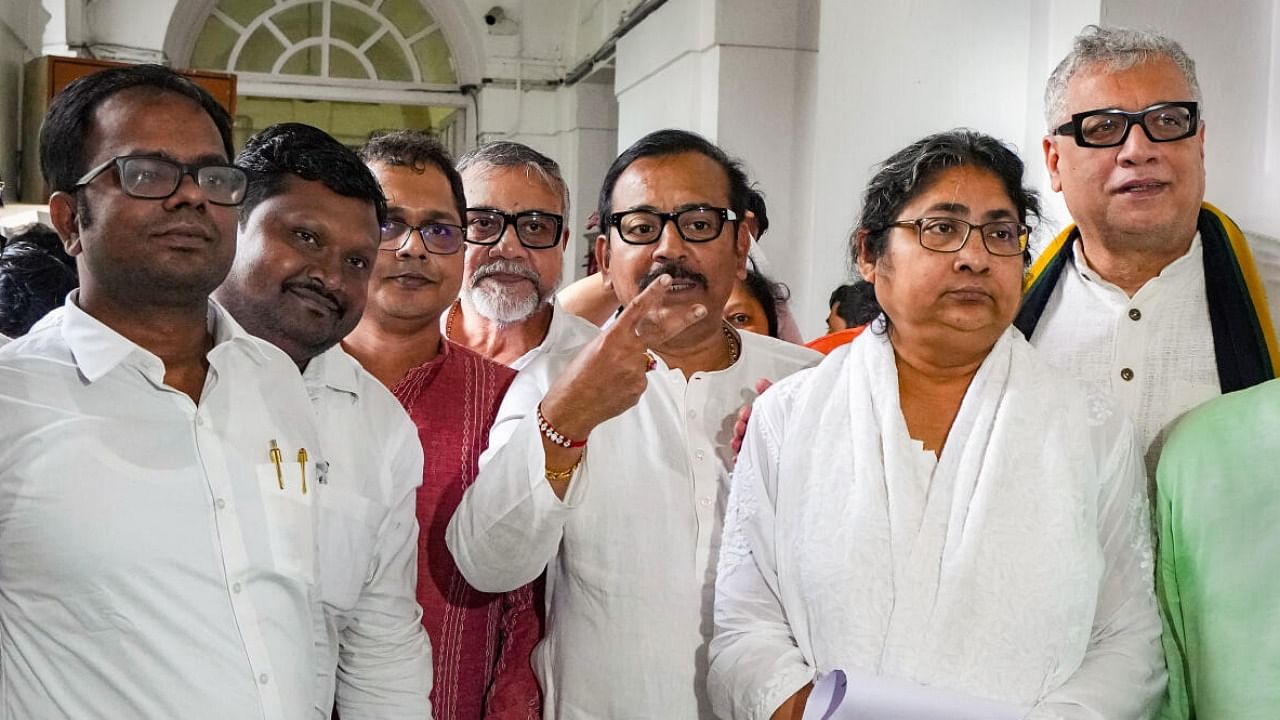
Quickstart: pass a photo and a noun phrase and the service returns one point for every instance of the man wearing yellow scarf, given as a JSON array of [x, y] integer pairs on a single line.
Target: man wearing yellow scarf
[[1159, 298]]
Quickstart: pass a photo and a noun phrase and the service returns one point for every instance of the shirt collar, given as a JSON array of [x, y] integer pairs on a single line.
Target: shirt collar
[[333, 369], [1189, 262], [98, 349]]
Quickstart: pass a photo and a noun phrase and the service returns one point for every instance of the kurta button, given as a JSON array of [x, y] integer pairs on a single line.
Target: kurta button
[[1135, 314], [263, 678], [1126, 374], [235, 588], [699, 454], [705, 501], [693, 414], [220, 503]]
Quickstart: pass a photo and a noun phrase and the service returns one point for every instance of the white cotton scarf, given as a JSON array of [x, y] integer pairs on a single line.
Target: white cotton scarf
[[978, 574]]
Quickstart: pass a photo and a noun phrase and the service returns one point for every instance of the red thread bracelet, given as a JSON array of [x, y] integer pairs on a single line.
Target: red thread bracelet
[[555, 436]]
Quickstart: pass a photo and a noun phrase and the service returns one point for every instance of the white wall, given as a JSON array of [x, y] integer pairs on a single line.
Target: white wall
[[1236, 47], [742, 73], [22, 24]]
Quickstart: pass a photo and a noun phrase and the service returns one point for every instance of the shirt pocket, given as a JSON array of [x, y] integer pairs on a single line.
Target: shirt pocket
[[349, 537], [290, 518]]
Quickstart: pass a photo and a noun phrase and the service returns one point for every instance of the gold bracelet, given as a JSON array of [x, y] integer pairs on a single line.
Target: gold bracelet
[[558, 476]]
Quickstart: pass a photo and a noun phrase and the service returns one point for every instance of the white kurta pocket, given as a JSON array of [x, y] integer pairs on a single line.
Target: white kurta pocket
[[290, 518]]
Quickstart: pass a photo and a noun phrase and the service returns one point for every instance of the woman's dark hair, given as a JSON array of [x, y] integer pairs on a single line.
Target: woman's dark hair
[[769, 294], [911, 170], [35, 276], [286, 150]]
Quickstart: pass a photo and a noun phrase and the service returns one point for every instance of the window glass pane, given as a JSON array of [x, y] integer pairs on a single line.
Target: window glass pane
[[342, 64], [260, 52], [435, 59], [388, 57], [213, 47]]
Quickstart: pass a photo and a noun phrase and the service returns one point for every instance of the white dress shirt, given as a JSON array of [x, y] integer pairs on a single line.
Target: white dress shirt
[[630, 553], [152, 567], [369, 543], [1154, 351], [565, 331]]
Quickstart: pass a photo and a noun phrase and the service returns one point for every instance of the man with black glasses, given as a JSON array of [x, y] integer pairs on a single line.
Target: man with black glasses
[[1160, 299], [609, 466], [516, 205], [1152, 295], [452, 395], [155, 562]]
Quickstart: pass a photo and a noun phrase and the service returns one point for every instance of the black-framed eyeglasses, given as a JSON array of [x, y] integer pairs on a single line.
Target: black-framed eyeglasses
[[697, 225], [156, 178], [1162, 122], [534, 229], [1005, 238], [437, 237]]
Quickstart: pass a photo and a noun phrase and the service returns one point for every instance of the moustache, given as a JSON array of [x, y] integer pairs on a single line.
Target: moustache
[[502, 266], [676, 271], [315, 286]]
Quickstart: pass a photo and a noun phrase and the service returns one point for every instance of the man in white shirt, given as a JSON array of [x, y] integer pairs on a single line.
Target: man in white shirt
[[506, 308], [158, 561], [629, 531], [1151, 295], [309, 231]]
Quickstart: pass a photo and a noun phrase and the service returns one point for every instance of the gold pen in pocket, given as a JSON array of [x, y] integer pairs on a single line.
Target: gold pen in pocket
[[302, 464], [275, 460]]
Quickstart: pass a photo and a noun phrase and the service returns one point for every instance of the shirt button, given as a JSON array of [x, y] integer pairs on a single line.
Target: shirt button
[[263, 678], [693, 414], [220, 503], [1135, 314], [706, 501], [1126, 374], [199, 421], [699, 454], [235, 588]]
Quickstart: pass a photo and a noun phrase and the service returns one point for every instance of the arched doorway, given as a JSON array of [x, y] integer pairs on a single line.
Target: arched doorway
[[348, 66]]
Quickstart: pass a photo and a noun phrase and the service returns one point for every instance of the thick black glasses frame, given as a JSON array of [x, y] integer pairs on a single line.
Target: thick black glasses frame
[[510, 220], [1075, 128], [726, 215], [183, 171]]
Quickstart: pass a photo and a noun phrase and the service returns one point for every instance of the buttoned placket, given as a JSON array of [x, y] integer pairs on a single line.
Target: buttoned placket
[[228, 535], [700, 454]]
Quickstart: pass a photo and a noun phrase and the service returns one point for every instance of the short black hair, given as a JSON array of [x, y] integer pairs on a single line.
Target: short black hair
[[857, 303], [676, 142], [70, 116], [284, 150], [417, 150], [756, 204], [35, 276]]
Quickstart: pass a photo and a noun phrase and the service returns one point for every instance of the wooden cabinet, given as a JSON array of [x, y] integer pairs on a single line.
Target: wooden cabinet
[[46, 76]]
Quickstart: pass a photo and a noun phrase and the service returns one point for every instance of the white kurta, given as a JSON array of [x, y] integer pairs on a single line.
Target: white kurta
[[630, 554], [1153, 352], [1016, 568], [379, 656]]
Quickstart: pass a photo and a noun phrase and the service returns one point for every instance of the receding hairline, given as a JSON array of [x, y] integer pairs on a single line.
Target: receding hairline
[[479, 169]]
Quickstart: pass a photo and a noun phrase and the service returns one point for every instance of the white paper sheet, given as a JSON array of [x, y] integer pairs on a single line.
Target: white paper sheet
[[858, 695]]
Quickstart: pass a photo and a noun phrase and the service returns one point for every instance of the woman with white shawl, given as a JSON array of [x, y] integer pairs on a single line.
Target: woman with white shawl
[[932, 524]]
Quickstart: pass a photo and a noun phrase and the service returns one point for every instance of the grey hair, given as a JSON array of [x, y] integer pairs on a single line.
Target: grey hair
[[505, 154], [1117, 49]]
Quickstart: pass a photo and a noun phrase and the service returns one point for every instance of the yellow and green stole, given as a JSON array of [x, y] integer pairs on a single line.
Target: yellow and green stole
[[1244, 340]]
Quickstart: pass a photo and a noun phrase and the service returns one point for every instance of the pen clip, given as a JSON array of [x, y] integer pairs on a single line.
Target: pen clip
[[302, 464]]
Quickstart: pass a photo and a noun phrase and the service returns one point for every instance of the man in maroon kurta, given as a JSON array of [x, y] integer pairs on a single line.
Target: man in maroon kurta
[[481, 642]]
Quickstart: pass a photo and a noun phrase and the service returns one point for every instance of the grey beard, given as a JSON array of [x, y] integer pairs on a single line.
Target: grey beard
[[504, 308]]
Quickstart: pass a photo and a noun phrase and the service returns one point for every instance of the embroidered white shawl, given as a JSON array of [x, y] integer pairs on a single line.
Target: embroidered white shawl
[[982, 574]]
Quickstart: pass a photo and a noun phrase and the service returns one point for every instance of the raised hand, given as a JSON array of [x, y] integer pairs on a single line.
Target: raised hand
[[608, 376]]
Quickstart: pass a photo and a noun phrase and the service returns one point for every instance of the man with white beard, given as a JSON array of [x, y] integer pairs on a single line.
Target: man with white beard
[[516, 234]]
